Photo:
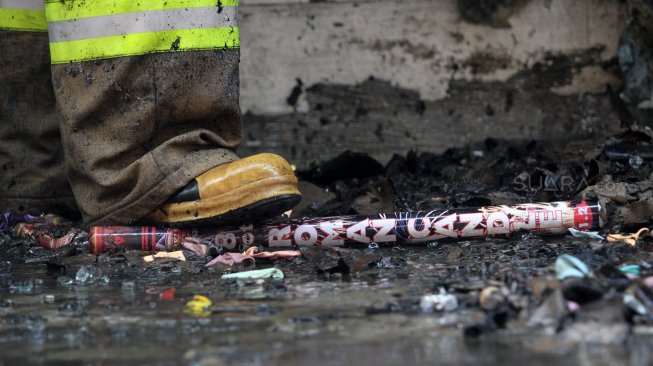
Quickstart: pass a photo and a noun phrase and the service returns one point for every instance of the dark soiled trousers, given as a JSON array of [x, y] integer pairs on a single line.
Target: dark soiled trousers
[[112, 136]]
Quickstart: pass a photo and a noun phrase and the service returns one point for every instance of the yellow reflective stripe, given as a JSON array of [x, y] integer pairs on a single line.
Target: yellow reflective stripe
[[23, 20], [144, 43], [58, 10], [142, 22]]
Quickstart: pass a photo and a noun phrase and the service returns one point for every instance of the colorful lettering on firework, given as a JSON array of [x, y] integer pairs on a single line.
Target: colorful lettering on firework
[[436, 225]]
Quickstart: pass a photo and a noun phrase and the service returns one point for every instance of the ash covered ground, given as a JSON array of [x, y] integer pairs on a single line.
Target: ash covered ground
[[527, 298]]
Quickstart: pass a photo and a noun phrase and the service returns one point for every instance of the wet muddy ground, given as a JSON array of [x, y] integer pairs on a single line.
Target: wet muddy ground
[[372, 316], [497, 301]]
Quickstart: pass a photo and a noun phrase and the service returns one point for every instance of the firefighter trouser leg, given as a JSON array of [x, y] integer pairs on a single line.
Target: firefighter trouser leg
[[32, 173], [149, 93]]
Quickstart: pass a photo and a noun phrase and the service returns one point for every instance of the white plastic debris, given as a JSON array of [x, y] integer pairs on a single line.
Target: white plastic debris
[[585, 234], [634, 303], [438, 302], [87, 275]]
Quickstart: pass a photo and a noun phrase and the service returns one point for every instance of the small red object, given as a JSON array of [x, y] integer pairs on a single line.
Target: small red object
[[168, 294]]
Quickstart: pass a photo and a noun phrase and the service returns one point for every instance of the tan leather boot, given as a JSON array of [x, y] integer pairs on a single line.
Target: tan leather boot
[[244, 190]]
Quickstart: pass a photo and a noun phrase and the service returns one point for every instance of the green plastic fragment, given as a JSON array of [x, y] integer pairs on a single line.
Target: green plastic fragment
[[259, 273]]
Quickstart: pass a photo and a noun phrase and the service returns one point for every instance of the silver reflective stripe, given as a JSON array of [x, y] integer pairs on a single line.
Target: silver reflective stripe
[[23, 4], [141, 22]]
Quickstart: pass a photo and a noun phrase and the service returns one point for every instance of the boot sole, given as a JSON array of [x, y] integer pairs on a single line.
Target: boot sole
[[251, 202], [256, 212]]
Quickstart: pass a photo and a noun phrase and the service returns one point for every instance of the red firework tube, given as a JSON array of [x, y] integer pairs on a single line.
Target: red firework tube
[[410, 228], [146, 238]]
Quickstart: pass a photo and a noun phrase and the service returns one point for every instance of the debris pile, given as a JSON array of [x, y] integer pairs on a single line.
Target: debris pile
[[584, 287]]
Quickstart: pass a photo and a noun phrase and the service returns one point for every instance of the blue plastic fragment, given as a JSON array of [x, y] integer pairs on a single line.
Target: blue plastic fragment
[[631, 269], [569, 266]]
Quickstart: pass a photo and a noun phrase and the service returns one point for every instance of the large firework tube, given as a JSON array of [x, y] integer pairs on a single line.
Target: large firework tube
[[409, 228]]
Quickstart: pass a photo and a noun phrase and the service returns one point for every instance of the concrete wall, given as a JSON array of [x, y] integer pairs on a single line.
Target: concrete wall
[[318, 77]]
